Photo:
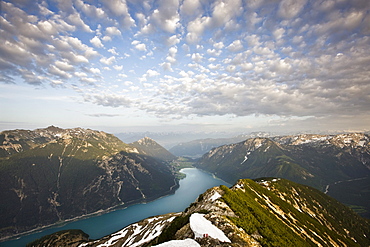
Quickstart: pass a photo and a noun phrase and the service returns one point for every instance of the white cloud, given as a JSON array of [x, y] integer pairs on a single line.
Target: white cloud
[[107, 38], [95, 70], [235, 46], [171, 58], [76, 20], [90, 10], [291, 8], [219, 45], [173, 40], [118, 67], [246, 66], [152, 73], [166, 66], [58, 72], [96, 42], [190, 7], [112, 31], [62, 65], [230, 68], [113, 51], [108, 61], [80, 74], [138, 45], [226, 10], [166, 17], [48, 27], [196, 57], [74, 58], [56, 83], [120, 10], [214, 52], [108, 99], [214, 67], [88, 80], [196, 28], [279, 33]]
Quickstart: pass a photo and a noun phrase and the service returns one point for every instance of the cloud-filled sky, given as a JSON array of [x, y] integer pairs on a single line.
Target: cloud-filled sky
[[185, 65]]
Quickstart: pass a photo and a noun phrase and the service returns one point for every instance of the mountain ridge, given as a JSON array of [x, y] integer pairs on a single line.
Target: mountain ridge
[[51, 175], [261, 212], [315, 160]]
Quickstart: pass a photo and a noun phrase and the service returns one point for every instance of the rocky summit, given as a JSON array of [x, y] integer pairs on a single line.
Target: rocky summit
[[262, 212], [51, 175]]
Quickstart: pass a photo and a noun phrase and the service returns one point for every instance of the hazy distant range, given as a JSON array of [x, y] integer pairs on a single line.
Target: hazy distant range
[[170, 139]]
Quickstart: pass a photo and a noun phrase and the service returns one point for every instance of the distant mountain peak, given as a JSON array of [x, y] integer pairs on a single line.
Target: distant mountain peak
[[147, 140], [150, 147]]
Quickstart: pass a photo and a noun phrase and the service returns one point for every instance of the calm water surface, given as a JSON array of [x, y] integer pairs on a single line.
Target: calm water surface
[[195, 183]]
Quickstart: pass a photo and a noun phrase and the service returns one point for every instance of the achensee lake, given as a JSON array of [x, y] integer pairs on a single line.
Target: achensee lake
[[195, 183]]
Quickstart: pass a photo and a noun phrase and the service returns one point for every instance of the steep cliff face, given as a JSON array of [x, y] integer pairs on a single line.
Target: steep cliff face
[[52, 174], [321, 161], [264, 212]]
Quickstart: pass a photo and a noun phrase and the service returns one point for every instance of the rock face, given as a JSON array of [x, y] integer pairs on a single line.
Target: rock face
[[321, 161], [263, 212], [50, 175]]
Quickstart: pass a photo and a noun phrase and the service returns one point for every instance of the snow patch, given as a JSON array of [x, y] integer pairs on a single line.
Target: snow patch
[[361, 143], [203, 227], [179, 243], [215, 196], [245, 157], [139, 234]]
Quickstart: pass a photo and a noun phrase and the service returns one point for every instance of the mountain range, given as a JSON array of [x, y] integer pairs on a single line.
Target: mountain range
[[51, 175], [262, 212], [326, 162]]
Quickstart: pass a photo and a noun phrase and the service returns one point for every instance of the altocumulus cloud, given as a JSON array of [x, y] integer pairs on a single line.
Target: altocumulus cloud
[[300, 58]]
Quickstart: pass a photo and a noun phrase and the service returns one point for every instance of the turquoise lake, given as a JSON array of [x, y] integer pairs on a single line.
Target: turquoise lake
[[195, 183]]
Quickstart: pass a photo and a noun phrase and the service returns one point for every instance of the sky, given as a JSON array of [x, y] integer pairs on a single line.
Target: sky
[[185, 65]]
